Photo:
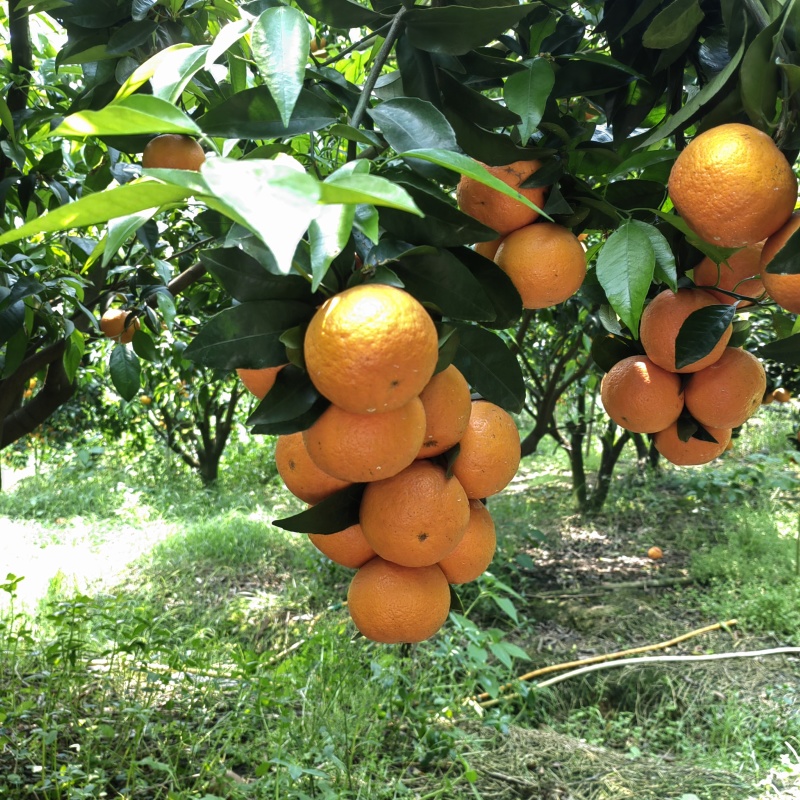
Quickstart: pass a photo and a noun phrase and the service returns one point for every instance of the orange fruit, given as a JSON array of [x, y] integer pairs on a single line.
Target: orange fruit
[[733, 186], [447, 404], [662, 320], [784, 289], [259, 381], [781, 395], [416, 517], [371, 348], [145, 400], [475, 551], [173, 151], [728, 392], [488, 249], [489, 452], [119, 325], [390, 603], [545, 261], [694, 451], [655, 553], [366, 447], [640, 396], [303, 478], [734, 275], [496, 210], [348, 548]]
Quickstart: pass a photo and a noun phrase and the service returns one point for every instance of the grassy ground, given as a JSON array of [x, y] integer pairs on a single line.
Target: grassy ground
[[169, 643]]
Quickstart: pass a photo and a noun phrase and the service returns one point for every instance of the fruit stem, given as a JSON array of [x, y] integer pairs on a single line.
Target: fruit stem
[[377, 66]]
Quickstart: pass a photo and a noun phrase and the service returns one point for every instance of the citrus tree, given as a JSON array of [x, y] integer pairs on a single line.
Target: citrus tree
[[376, 210]]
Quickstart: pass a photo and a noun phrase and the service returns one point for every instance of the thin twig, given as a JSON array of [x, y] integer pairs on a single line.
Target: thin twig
[[648, 583], [613, 656]]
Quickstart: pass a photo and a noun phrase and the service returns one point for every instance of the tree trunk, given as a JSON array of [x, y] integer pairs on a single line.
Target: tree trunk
[[611, 452]]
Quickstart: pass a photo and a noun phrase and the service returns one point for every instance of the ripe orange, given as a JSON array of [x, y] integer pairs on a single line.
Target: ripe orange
[[145, 400], [488, 249], [784, 289], [447, 404], [371, 348], [733, 186], [497, 211], [734, 275], [641, 396], [366, 447], [781, 395], [490, 451], [545, 261], [728, 392], [662, 320], [119, 325], [303, 478], [655, 553], [475, 551], [259, 381], [416, 517], [173, 151], [348, 547], [694, 451], [391, 604]]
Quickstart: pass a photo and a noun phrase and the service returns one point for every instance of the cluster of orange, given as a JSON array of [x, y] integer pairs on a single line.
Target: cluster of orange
[[372, 350], [546, 262], [734, 188]]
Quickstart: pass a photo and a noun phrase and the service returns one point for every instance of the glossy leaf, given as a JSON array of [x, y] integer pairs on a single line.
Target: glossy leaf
[[273, 200], [787, 260], [248, 335], [490, 367], [331, 515], [700, 333], [245, 279], [439, 278], [137, 114], [783, 351], [625, 269], [666, 269], [760, 77], [674, 24], [610, 348], [125, 371], [121, 229], [133, 34], [455, 30], [100, 207], [253, 114], [328, 233], [372, 189], [341, 13], [292, 396], [527, 93], [280, 41]]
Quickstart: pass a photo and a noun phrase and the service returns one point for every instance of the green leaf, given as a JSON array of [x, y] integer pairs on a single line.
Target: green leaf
[[609, 348], [12, 320], [132, 34], [371, 189], [280, 41], [328, 233], [73, 353], [168, 72], [7, 120], [144, 346], [506, 606], [100, 207], [245, 279], [408, 123], [137, 114], [273, 200], [527, 93], [292, 396], [248, 335], [787, 260], [254, 114], [125, 371], [497, 287], [121, 229], [783, 351], [455, 30], [625, 270], [700, 333], [673, 25], [696, 103], [715, 253], [439, 278], [759, 76], [490, 368], [471, 168], [331, 515], [666, 270], [341, 13]]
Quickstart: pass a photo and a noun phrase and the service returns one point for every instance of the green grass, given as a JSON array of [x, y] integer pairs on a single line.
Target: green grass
[[222, 663]]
